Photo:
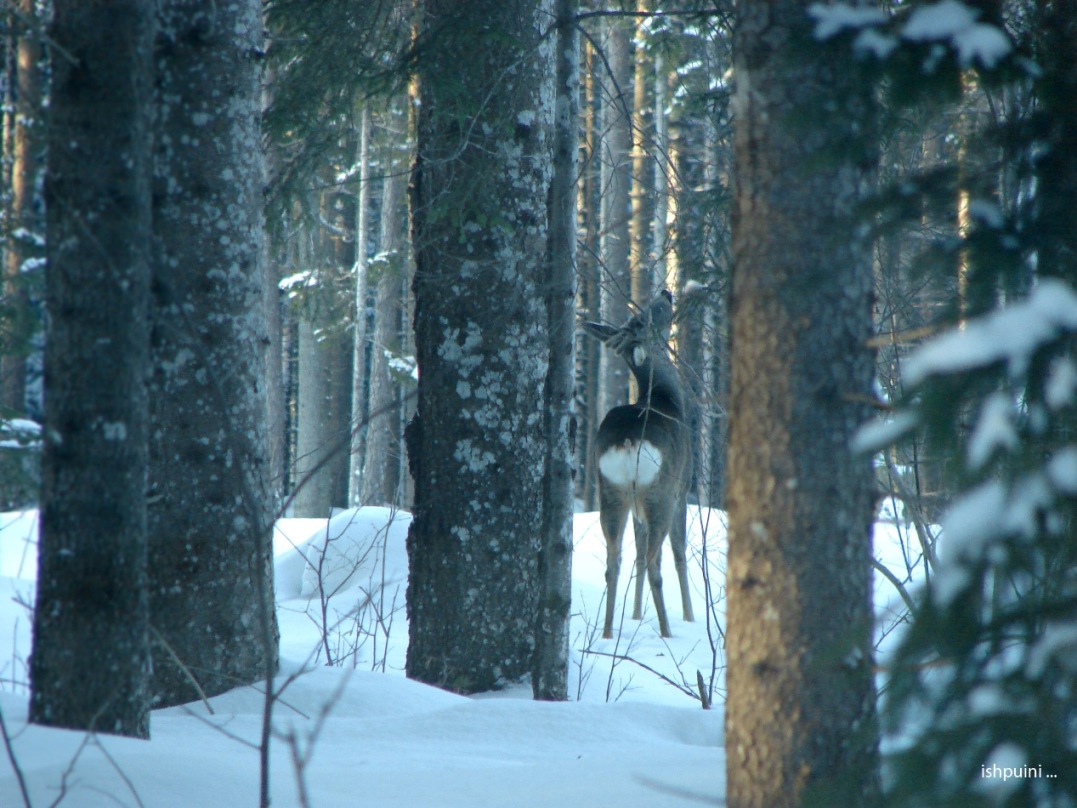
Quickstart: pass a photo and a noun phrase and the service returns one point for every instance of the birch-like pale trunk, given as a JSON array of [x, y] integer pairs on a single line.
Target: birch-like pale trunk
[[359, 428], [549, 677]]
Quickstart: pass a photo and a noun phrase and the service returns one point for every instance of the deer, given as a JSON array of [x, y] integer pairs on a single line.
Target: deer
[[642, 452]]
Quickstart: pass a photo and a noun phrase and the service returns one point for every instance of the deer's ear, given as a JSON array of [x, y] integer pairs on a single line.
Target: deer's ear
[[598, 330]]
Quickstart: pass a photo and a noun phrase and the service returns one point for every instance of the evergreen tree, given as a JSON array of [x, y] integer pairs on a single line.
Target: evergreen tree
[[211, 585], [980, 692], [90, 665], [475, 446], [800, 713]]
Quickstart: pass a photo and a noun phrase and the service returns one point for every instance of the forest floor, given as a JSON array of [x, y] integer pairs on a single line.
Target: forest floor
[[357, 732]]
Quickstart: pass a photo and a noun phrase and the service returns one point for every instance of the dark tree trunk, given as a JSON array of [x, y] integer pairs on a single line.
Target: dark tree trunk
[[90, 666], [211, 509], [801, 706], [476, 448]]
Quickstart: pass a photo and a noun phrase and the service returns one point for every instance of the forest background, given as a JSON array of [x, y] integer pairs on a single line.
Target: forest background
[[919, 178]]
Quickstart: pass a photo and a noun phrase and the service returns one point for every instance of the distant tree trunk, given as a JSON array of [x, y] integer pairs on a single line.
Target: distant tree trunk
[[616, 208], [90, 665], [23, 220], [359, 335], [321, 453], [549, 678], [800, 715], [276, 327], [589, 294], [664, 164], [380, 483], [276, 416], [479, 208], [211, 595], [1057, 172], [642, 247]]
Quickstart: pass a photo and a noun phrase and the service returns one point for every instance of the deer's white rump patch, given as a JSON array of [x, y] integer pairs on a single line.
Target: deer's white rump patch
[[631, 463]]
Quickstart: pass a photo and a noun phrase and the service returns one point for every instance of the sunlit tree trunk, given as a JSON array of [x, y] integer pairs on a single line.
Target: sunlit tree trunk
[[801, 704], [616, 213], [23, 221], [642, 248]]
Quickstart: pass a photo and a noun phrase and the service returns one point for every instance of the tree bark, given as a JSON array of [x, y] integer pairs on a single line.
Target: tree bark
[[211, 593], [643, 248], [616, 239], [476, 449], [90, 665], [359, 427], [381, 483], [23, 220], [550, 674], [800, 718]]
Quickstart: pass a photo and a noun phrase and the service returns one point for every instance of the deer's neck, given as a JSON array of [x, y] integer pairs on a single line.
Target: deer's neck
[[659, 384]]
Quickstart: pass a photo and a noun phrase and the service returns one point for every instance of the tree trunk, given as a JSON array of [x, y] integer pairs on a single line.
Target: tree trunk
[[90, 665], [321, 455], [616, 209], [643, 249], [475, 445], [590, 283], [381, 481], [23, 221], [550, 674], [359, 427], [211, 593], [801, 708]]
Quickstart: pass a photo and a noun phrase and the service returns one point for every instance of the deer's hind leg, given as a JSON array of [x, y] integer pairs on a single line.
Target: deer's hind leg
[[678, 541], [639, 531], [654, 578], [613, 517]]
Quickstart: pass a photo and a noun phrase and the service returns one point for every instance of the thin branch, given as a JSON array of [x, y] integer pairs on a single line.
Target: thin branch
[[646, 667], [183, 667], [34, 24], [14, 762]]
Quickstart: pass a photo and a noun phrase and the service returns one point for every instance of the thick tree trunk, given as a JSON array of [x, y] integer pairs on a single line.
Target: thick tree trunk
[[211, 516], [90, 666], [479, 208], [800, 713]]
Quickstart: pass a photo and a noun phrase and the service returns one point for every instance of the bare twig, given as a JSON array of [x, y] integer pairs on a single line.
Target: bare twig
[[186, 671], [9, 748]]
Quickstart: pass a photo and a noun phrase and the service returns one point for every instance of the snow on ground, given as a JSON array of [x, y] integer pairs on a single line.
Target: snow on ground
[[359, 733]]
